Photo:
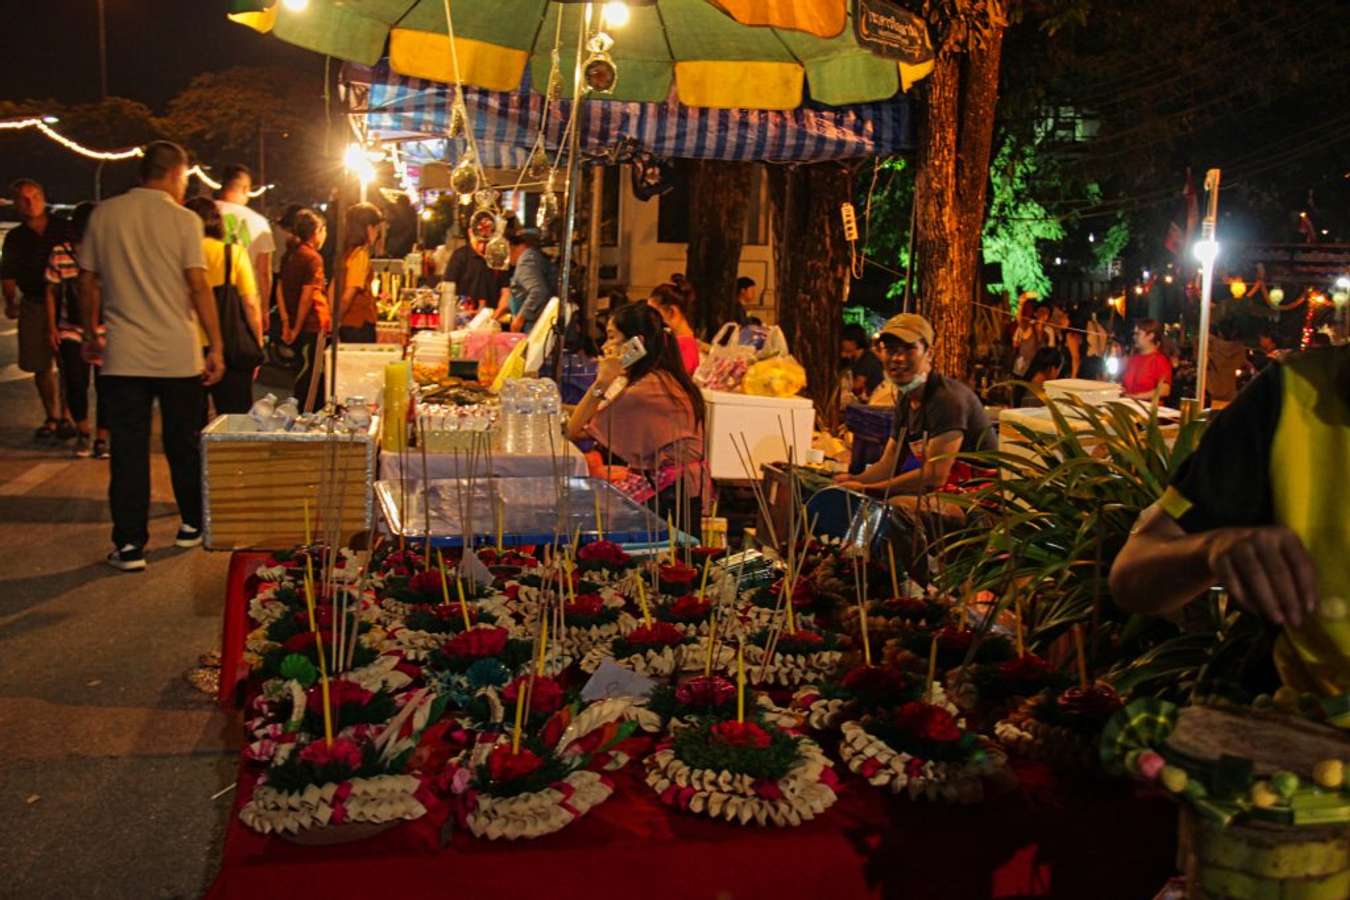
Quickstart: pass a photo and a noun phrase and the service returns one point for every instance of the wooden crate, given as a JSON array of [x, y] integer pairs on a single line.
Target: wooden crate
[[255, 484]]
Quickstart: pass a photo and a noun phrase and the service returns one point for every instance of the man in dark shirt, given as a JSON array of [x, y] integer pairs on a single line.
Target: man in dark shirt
[[855, 352], [936, 417], [472, 277], [23, 276]]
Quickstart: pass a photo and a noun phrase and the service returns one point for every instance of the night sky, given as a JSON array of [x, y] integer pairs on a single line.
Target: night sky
[[155, 47]]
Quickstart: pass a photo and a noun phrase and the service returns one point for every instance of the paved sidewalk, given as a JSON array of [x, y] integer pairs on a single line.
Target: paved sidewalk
[[108, 758]]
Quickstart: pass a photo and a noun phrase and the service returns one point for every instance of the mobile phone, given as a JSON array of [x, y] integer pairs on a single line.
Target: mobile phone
[[631, 351]]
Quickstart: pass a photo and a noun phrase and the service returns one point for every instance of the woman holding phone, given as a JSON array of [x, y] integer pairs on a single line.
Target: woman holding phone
[[647, 416]]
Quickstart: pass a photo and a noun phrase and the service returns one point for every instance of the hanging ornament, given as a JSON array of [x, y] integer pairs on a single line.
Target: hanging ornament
[[548, 211], [1238, 288], [555, 83], [486, 198], [483, 225], [497, 253], [459, 119], [599, 71], [1275, 296], [537, 166], [464, 177]]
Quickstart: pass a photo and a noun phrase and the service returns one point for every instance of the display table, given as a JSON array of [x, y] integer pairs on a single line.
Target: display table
[[1075, 840], [501, 465]]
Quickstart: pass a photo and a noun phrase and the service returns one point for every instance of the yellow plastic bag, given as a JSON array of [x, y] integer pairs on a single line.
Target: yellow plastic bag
[[781, 376]]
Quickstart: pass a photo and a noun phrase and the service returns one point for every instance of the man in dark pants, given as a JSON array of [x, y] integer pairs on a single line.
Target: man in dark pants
[[142, 262]]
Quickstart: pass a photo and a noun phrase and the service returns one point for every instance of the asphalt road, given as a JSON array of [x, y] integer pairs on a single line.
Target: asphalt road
[[108, 758]]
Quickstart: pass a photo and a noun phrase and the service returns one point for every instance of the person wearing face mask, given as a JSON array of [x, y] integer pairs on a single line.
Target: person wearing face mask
[[936, 417]]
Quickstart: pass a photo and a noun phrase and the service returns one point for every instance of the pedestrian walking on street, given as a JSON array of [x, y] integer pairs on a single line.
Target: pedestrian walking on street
[[234, 392], [142, 268], [23, 280], [65, 328], [247, 227]]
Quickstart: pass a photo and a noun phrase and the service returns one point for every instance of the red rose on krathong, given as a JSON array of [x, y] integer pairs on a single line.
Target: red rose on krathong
[[741, 734], [803, 594], [914, 767], [429, 583], [678, 574], [1099, 701], [690, 607], [769, 790], [874, 681], [504, 766], [931, 723], [545, 697], [955, 640], [1026, 668], [299, 643], [710, 691], [323, 616], [662, 634], [342, 752], [477, 643], [603, 552], [340, 693], [589, 605]]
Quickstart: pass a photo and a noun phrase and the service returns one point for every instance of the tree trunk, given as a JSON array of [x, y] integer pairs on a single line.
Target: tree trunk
[[811, 269], [956, 128], [718, 193]]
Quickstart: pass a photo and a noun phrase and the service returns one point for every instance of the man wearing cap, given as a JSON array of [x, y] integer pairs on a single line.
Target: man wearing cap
[[936, 417]]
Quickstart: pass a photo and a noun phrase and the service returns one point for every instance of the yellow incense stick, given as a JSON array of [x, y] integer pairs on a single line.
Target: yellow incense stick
[[932, 669], [740, 682], [895, 579], [1017, 628], [1082, 657], [791, 617], [642, 603], [323, 666], [463, 604], [670, 529], [309, 533], [703, 587], [599, 523], [520, 711], [712, 642], [501, 525], [867, 645], [543, 646]]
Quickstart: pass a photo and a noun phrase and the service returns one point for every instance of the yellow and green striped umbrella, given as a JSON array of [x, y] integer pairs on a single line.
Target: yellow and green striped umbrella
[[737, 54]]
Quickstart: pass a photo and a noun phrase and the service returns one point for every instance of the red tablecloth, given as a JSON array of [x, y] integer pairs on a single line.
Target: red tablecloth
[[1052, 838]]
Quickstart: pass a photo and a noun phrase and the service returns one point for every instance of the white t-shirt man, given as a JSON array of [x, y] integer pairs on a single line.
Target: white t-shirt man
[[140, 244], [248, 228]]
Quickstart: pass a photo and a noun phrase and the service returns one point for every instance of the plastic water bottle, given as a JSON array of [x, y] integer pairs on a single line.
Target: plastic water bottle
[[261, 411], [547, 418], [287, 413]]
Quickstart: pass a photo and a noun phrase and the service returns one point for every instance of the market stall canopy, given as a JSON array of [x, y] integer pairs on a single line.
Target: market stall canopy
[[506, 124], [726, 54]]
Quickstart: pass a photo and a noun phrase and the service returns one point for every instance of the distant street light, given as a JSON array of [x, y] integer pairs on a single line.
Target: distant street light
[[296, 5]]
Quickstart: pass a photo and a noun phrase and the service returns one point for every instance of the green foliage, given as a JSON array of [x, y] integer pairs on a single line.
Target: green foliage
[[1060, 511], [697, 748], [886, 232], [1017, 222], [1113, 242]]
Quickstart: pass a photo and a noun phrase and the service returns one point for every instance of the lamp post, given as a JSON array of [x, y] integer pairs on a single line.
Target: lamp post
[[1206, 251]]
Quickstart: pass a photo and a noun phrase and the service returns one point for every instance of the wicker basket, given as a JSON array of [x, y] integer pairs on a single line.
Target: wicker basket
[[1263, 861]]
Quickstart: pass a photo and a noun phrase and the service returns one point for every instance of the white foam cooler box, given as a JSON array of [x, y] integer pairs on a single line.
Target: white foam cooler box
[[763, 421]]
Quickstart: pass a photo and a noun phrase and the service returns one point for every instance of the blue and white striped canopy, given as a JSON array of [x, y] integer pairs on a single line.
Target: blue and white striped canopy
[[506, 124]]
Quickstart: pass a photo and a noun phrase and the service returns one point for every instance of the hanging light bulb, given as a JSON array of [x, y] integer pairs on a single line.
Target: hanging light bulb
[[599, 70], [464, 177], [536, 167], [1238, 288], [1275, 296], [614, 14]]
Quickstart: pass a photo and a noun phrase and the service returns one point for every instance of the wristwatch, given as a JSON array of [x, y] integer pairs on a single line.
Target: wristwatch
[[598, 392]]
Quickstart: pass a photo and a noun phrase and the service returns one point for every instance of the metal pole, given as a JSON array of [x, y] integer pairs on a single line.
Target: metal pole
[[1207, 228], [102, 52], [573, 187], [593, 244]]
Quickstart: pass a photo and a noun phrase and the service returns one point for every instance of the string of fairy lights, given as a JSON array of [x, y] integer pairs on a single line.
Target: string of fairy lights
[[43, 124]]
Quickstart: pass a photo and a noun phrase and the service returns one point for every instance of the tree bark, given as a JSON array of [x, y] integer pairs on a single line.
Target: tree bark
[[718, 192], [956, 128], [811, 269]]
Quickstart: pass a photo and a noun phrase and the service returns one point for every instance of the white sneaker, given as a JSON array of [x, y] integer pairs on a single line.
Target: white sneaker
[[127, 558], [188, 536]]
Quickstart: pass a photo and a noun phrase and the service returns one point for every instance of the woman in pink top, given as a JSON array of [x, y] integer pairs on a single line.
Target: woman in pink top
[[673, 302], [648, 419]]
